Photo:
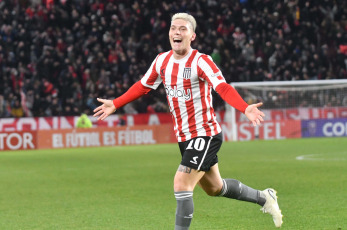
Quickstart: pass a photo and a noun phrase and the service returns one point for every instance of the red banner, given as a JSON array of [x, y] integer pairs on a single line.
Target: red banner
[[18, 140], [269, 130], [299, 114]]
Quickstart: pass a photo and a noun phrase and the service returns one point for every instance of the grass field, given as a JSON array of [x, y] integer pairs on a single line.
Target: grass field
[[131, 187]]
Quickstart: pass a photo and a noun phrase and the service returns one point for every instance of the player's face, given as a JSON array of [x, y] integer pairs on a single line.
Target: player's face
[[181, 35]]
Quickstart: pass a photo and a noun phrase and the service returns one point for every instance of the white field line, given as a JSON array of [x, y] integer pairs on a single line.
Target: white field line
[[321, 157]]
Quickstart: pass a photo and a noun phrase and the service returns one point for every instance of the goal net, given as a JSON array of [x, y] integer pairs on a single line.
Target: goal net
[[293, 109]]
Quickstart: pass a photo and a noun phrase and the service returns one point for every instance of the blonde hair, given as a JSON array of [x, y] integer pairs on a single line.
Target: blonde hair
[[186, 17]]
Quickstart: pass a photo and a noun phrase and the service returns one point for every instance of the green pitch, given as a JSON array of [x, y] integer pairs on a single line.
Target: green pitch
[[131, 187]]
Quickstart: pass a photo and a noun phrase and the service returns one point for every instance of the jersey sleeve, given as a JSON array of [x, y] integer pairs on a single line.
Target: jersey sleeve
[[208, 71], [135, 91], [152, 77], [231, 96]]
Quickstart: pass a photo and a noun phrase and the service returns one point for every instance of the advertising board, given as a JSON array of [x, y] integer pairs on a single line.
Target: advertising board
[[324, 128]]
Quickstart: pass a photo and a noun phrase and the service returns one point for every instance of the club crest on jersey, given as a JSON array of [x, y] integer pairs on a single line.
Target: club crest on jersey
[[187, 72]]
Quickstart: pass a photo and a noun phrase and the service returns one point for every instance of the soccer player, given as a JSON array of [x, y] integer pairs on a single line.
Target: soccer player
[[188, 77]]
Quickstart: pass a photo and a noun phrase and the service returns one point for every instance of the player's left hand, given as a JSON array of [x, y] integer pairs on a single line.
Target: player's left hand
[[254, 114]]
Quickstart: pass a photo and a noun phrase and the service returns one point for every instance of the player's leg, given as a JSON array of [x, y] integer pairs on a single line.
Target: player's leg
[[185, 181], [213, 184], [186, 178], [196, 159]]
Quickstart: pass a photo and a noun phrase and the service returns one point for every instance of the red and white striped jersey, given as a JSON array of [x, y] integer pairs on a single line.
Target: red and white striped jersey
[[188, 84]]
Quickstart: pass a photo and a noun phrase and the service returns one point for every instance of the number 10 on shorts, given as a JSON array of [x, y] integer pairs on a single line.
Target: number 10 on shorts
[[198, 144]]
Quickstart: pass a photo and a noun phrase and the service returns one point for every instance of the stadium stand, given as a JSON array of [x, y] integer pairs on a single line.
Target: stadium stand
[[56, 57]]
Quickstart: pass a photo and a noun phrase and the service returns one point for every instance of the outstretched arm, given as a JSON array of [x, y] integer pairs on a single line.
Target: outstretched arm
[[233, 98], [208, 70], [108, 106]]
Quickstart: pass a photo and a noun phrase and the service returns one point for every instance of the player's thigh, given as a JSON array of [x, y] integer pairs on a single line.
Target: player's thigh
[[212, 182], [186, 178]]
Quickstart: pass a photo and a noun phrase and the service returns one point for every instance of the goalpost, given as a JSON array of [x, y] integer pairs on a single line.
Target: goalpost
[[292, 100]]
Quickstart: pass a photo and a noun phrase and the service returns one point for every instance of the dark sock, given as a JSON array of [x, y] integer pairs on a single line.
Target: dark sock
[[184, 211], [234, 189]]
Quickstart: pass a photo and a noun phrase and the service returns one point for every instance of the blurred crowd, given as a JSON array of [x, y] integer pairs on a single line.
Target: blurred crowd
[[58, 56]]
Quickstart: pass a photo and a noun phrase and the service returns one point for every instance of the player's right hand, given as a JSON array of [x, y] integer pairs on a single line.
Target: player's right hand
[[104, 110]]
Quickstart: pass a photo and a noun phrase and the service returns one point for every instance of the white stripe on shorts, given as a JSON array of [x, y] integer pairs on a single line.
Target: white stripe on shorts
[[203, 158]]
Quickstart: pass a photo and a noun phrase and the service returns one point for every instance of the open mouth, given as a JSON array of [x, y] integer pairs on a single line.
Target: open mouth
[[177, 40]]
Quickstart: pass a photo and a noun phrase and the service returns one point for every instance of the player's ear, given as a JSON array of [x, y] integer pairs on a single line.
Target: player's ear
[[193, 37]]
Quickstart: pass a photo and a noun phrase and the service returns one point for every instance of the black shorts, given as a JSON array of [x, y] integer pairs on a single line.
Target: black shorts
[[200, 153]]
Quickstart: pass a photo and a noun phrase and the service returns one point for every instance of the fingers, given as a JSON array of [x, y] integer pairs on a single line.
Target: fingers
[[98, 113], [260, 117], [101, 100], [258, 111], [99, 107], [103, 116], [256, 122], [259, 104]]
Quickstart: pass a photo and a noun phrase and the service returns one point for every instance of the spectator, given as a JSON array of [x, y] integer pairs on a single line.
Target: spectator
[[70, 49], [16, 109], [3, 107], [83, 122]]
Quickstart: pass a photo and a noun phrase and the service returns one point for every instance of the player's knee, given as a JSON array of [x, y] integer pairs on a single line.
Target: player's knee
[[212, 191], [182, 183], [181, 186]]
